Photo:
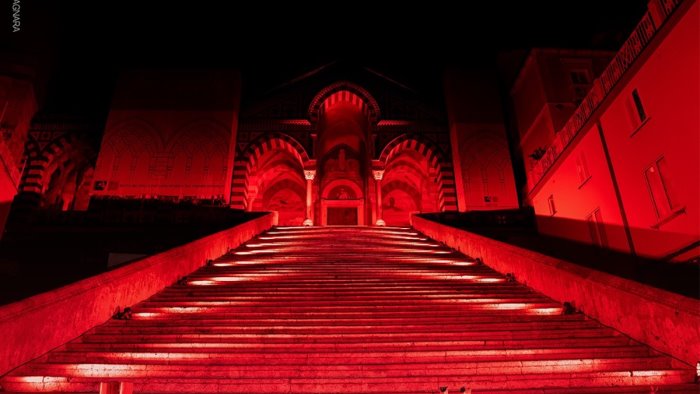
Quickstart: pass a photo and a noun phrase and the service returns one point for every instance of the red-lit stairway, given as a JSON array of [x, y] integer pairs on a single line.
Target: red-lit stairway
[[351, 310]]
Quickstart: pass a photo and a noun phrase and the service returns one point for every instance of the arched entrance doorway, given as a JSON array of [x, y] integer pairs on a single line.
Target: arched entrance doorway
[[342, 203], [343, 159]]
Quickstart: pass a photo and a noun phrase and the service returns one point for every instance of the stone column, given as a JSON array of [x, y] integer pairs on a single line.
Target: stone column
[[252, 195], [378, 175], [309, 175]]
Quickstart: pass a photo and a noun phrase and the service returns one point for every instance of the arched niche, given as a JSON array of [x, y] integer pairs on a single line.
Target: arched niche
[[342, 203], [276, 183], [408, 186]]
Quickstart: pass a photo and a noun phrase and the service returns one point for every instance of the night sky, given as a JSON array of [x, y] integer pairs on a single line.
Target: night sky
[[84, 44]]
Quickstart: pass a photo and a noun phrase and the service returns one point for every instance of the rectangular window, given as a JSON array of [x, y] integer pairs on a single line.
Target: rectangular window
[[582, 169], [596, 228], [641, 114], [635, 111], [659, 187], [550, 202]]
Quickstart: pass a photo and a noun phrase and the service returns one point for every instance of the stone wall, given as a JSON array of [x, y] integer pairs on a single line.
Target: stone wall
[[665, 321], [34, 326]]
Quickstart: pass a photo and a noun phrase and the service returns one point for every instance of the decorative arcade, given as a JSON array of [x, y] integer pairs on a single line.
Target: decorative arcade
[[346, 174]]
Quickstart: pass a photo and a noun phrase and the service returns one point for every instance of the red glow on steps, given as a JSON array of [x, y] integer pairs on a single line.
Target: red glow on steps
[[331, 310]]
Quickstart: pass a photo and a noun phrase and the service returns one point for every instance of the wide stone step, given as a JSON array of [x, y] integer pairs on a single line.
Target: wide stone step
[[483, 309], [254, 318], [373, 385], [357, 371], [396, 300], [368, 330], [547, 339], [298, 356], [203, 298], [332, 343], [491, 309], [645, 389], [367, 288]]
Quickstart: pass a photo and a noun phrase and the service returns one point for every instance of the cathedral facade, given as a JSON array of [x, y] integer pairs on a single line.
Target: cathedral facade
[[584, 132], [340, 146]]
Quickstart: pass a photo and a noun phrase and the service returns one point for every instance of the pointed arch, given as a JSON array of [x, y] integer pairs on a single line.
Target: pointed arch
[[41, 163], [57, 170], [405, 187], [344, 91], [247, 162], [437, 161]]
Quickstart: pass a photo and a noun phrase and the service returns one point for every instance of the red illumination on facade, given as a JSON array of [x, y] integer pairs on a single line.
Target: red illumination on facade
[[621, 167], [321, 319], [344, 295], [332, 180], [165, 151]]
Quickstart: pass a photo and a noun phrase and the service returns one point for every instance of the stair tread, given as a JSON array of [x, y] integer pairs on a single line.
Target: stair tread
[[352, 310]]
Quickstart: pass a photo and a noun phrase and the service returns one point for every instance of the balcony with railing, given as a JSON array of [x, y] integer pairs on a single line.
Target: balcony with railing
[[656, 15]]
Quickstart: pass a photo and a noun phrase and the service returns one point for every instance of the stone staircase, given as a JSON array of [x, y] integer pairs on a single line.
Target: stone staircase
[[350, 310]]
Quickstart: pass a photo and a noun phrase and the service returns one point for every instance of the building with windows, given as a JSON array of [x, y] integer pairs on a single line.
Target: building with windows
[[620, 168]]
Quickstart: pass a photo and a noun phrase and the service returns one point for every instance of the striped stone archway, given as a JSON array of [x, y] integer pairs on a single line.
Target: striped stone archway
[[436, 160], [246, 163], [38, 160], [347, 92]]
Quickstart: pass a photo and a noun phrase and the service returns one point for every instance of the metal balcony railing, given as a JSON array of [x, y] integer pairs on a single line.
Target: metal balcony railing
[[656, 15]]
